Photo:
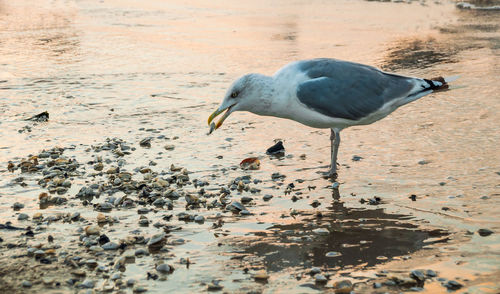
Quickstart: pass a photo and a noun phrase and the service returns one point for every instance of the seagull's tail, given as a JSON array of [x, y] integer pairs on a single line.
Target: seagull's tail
[[440, 83]]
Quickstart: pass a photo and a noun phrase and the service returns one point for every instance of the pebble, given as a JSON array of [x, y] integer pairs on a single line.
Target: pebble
[[75, 216], [89, 284], [343, 286], [115, 276], [140, 289], [164, 268], [315, 270], [245, 212], [453, 285], [98, 166], [39, 253], [417, 275], [131, 282], [321, 231], [17, 206], [110, 246], [22, 216], [169, 147], [246, 199], [92, 230], [26, 284], [105, 206], [214, 286], [140, 252], [377, 285], [431, 273], [261, 275], [267, 197], [484, 232], [47, 281], [320, 279], [199, 219], [156, 239], [236, 206], [333, 254], [143, 210]]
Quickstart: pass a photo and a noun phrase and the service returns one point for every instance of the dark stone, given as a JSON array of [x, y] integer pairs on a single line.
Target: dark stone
[[276, 149], [45, 261], [484, 232], [453, 285], [103, 239], [356, 158], [152, 276]]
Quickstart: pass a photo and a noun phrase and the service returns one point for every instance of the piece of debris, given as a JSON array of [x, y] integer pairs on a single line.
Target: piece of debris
[[251, 163], [276, 149], [41, 117]]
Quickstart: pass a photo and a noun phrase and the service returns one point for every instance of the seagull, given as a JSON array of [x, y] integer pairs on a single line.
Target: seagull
[[325, 93]]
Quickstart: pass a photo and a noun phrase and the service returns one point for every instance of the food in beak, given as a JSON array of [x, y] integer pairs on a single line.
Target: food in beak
[[221, 120]]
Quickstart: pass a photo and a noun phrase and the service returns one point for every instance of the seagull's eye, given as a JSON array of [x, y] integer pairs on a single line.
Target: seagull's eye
[[234, 94]]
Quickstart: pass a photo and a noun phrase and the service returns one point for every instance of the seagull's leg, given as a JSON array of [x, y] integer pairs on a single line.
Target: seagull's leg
[[335, 142]]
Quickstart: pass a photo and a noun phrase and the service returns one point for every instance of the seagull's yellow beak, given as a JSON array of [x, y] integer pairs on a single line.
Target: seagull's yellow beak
[[222, 119]]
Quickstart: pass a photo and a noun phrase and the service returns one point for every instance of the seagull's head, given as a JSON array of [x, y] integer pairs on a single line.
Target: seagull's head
[[241, 96]]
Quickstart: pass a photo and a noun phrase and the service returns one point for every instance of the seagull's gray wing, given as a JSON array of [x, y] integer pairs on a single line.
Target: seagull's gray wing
[[349, 90]]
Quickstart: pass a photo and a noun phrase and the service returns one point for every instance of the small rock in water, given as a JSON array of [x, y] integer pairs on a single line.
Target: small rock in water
[[140, 289], [276, 149], [98, 166], [484, 232], [26, 284], [356, 158], [199, 219], [333, 254], [245, 212], [261, 275], [17, 206], [315, 270], [141, 251], [164, 268], [320, 279], [41, 117], [343, 286], [417, 275], [321, 231], [214, 286], [110, 246], [146, 142], [246, 199], [156, 239], [267, 197], [92, 230], [453, 285], [89, 284], [236, 206]]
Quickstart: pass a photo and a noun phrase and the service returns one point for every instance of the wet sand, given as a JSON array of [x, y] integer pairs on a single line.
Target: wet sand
[[132, 71]]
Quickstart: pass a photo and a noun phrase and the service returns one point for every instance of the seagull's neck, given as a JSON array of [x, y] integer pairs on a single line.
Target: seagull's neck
[[269, 100]]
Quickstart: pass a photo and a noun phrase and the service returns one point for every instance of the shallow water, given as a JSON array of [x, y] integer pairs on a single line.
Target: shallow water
[[143, 69]]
